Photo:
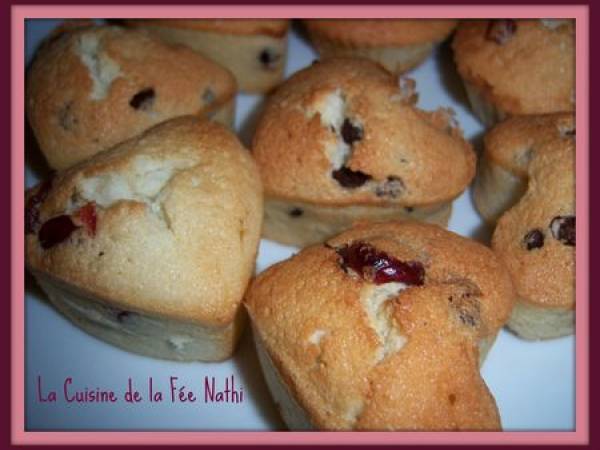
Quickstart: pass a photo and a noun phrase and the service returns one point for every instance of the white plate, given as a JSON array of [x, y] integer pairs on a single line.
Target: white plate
[[533, 382]]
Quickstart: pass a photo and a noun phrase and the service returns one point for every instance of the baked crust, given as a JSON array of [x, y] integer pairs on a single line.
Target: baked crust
[[178, 214], [90, 88], [513, 143], [298, 142], [334, 349], [380, 32], [533, 72], [543, 275], [269, 27]]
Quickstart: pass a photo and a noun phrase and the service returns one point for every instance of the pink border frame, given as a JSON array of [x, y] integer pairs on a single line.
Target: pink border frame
[[19, 436]]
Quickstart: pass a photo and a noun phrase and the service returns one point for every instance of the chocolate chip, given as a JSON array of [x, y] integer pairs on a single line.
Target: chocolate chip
[[409, 209], [351, 133], [392, 187], [501, 31], [101, 254], [56, 230], [143, 100], [269, 58], [569, 132], [349, 178], [563, 229], [208, 96], [534, 239], [296, 212]]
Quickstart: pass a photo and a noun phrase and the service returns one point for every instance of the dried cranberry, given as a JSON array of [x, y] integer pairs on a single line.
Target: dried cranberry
[[32, 208], [56, 230], [379, 267], [563, 229], [351, 133], [534, 239], [349, 178], [143, 100], [296, 212], [501, 31], [87, 214]]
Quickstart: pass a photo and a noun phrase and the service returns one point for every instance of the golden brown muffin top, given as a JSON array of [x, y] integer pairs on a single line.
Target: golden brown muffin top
[[344, 131], [513, 143], [92, 87], [536, 238], [520, 66], [381, 32], [270, 27], [363, 347], [167, 223]]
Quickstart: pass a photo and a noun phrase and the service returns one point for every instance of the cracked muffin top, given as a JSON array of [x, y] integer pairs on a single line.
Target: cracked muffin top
[[381, 32], [521, 66], [536, 238], [166, 223], [379, 327], [514, 142], [91, 87], [345, 131]]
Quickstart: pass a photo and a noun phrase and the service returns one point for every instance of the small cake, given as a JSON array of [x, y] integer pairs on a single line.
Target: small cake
[[150, 245], [508, 148], [536, 241], [92, 87], [515, 67], [342, 140], [380, 329], [255, 51], [398, 44]]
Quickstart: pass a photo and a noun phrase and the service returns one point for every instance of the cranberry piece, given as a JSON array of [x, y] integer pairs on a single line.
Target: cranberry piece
[[501, 31], [351, 133], [349, 178], [56, 230], [32, 208], [296, 212], [391, 187], [143, 100], [534, 239], [87, 214], [563, 229], [378, 267]]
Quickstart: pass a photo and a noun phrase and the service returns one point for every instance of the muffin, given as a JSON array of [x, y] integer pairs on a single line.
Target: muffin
[[150, 245], [515, 67], [255, 51], [342, 140], [508, 148], [398, 44], [380, 328], [92, 87], [536, 240]]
